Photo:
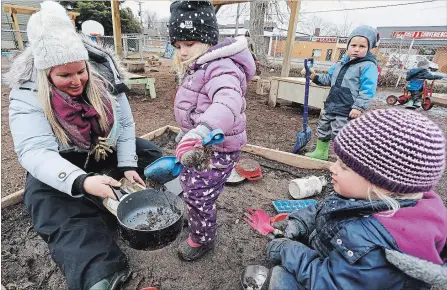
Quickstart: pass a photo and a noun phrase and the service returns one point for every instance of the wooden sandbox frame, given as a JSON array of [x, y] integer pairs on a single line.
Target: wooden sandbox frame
[[287, 158]]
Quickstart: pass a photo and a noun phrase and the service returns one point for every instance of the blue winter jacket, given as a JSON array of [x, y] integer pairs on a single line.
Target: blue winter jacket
[[346, 247], [416, 77], [353, 84]]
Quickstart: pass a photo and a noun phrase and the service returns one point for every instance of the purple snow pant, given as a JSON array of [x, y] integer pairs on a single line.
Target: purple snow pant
[[200, 192]]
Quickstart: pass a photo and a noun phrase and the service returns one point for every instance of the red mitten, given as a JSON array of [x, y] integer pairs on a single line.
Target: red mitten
[[187, 145]]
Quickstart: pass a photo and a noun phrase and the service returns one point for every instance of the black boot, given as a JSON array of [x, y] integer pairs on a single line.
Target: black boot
[[112, 282]]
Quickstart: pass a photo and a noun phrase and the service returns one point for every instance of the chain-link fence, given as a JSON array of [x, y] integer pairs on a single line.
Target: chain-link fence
[[397, 56], [11, 39], [138, 44], [134, 45]]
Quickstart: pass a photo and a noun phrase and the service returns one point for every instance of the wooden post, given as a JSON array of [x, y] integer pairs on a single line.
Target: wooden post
[[17, 30], [273, 95], [117, 27], [262, 87], [294, 15]]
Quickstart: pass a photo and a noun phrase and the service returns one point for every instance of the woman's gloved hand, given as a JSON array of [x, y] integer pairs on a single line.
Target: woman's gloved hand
[[293, 229], [190, 150]]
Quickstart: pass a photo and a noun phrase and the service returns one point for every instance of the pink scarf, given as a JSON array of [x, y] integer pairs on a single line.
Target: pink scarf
[[79, 119]]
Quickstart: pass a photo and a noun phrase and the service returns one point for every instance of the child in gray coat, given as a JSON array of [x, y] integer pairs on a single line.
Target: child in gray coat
[[353, 81]]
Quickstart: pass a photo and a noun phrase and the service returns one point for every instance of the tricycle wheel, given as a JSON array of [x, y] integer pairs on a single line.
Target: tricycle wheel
[[427, 104], [403, 99], [391, 100]]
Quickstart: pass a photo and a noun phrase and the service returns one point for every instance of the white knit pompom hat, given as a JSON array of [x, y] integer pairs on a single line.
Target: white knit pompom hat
[[53, 38]]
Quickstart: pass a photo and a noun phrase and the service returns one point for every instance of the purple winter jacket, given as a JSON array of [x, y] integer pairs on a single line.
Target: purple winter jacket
[[213, 90]]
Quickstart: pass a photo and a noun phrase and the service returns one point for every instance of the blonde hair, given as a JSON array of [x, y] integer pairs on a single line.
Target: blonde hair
[[390, 198], [95, 91], [180, 67]]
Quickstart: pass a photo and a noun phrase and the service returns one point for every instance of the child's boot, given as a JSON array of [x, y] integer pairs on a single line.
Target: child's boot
[[409, 104], [417, 103], [321, 152], [188, 250]]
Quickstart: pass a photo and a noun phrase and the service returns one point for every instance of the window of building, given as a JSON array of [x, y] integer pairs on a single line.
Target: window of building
[[329, 54], [342, 53], [316, 52]]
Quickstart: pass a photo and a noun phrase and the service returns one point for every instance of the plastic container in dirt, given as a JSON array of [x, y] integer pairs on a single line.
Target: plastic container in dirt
[[304, 187]]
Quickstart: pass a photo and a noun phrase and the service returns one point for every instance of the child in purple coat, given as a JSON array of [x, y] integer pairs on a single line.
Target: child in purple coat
[[214, 80]]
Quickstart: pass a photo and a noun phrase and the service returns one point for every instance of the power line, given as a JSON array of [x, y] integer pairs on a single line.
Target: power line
[[443, 6], [370, 7], [351, 9]]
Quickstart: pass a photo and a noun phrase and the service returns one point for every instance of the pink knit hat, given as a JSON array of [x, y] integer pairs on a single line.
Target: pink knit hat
[[398, 150]]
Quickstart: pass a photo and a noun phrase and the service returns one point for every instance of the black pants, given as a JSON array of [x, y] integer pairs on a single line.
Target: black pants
[[78, 231]]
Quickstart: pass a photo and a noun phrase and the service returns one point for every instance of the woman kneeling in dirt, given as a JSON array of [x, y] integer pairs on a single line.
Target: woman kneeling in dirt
[[64, 124]]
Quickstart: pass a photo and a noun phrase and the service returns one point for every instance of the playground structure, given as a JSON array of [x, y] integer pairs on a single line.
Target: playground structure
[[13, 10], [292, 89]]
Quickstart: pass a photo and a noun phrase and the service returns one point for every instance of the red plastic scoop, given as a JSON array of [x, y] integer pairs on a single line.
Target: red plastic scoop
[[259, 220]]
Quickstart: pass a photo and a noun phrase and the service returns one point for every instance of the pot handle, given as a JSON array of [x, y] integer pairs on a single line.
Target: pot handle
[[117, 192]]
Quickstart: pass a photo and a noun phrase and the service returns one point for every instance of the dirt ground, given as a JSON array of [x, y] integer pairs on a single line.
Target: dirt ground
[[25, 258]]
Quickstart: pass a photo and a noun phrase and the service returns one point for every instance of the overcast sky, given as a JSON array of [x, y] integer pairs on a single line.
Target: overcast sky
[[424, 14]]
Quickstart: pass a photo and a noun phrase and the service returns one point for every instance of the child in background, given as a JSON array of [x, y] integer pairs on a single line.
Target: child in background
[[211, 96], [353, 82], [384, 227], [415, 78]]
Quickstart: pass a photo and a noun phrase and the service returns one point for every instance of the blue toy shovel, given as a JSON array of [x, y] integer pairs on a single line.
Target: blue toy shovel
[[167, 168], [303, 137]]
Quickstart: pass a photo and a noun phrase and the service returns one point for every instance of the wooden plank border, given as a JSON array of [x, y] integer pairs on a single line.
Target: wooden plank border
[[155, 133], [291, 159], [13, 198], [271, 154]]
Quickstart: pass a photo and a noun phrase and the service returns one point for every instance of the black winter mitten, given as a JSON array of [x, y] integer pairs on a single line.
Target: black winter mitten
[[293, 229]]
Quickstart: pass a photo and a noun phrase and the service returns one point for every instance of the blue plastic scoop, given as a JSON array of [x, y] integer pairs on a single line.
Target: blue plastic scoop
[[167, 168]]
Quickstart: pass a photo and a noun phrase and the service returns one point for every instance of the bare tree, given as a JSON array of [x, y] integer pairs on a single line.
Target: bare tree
[[308, 24], [240, 11], [154, 24], [345, 28], [149, 18], [257, 15], [278, 11]]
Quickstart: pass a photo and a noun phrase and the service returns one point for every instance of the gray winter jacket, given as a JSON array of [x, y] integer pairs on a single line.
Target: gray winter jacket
[[34, 142]]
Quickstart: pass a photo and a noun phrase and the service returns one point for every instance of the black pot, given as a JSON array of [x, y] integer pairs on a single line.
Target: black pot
[[149, 218]]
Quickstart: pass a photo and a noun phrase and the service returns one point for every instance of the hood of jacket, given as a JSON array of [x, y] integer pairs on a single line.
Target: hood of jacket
[[236, 49], [430, 273], [412, 73], [102, 58], [425, 223], [416, 223]]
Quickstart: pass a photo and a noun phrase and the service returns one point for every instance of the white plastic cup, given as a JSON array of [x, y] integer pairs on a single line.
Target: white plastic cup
[[305, 187]]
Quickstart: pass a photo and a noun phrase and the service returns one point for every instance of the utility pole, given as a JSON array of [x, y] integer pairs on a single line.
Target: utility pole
[[140, 14]]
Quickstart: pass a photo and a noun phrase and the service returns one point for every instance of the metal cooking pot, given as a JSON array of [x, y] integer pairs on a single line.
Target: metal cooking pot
[[149, 218]]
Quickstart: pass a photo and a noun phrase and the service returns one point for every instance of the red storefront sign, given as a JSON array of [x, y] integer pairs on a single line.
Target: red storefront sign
[[419, 34], [330, 39], [325, 39]]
